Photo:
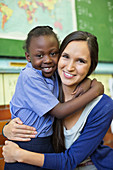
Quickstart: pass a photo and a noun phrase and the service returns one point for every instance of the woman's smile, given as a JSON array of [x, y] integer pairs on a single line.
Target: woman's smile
[[68, 75]]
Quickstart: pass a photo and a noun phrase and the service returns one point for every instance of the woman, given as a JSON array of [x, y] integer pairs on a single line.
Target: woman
[[83, 131]]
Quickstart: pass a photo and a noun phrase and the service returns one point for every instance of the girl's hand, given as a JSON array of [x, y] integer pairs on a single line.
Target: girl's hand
[[82, 87], [98, 86], [10, 151], [16, 130]]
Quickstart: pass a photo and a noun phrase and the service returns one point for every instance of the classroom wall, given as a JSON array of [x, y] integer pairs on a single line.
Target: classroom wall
[[80, 15]]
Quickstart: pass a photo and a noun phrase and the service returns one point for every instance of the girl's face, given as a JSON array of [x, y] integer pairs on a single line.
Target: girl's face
[[74, 63], [43, 54]]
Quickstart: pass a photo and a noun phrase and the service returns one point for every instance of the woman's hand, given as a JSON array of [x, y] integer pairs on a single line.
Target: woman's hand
[[13, 153], [10, 151], [16, 130], [82, 87]]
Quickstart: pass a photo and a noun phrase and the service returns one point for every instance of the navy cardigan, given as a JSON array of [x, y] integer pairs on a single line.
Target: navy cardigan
[[90, 142]]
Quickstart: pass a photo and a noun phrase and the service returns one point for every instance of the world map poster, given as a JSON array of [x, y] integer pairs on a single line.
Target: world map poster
[[18, 17]]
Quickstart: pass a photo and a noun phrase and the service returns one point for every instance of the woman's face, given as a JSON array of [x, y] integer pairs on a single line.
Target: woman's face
[[74, 63]]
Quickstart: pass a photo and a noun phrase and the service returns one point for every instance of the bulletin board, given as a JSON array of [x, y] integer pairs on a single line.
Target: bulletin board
[[96, 17]]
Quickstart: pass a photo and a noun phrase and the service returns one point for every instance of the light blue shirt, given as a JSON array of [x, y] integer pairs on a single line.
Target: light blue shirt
[[35, 96]]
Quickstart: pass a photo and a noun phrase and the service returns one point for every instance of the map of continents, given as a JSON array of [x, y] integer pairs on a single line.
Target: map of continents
[[6, 14], [19, 16]]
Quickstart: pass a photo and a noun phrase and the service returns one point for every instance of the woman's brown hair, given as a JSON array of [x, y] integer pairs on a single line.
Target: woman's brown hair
[[58, 135]]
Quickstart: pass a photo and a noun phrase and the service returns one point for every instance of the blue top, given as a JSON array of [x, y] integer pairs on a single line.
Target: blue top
[[90, 142], [35, 96]]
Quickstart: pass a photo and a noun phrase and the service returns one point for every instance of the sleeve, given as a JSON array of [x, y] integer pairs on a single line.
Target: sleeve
[[92, 135], [39, 98]]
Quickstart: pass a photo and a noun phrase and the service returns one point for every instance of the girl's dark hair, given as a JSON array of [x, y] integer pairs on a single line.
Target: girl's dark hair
[[58, 135], [39, 31]]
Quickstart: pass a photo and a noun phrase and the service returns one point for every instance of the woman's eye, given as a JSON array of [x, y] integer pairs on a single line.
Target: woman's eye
[[81, 61], [65, 56]]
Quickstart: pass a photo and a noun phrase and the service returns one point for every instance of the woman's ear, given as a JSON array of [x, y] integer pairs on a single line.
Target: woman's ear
[[27, 57]]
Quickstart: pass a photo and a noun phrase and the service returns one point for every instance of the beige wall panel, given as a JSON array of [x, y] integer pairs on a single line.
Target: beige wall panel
[[1, 90], [9, 86], [104, 78], [11, 79]]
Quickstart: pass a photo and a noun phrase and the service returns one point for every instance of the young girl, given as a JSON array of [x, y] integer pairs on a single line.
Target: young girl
[[35, 100]]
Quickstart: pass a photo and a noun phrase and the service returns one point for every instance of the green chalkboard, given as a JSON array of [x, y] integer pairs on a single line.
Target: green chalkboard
[[96, 17], [11, 48]]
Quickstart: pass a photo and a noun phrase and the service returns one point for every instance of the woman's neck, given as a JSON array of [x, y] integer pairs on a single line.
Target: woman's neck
[[70, 121], [68, 90]]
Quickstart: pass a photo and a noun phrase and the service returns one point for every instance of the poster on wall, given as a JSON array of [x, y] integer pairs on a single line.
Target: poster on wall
[[18, 17]]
